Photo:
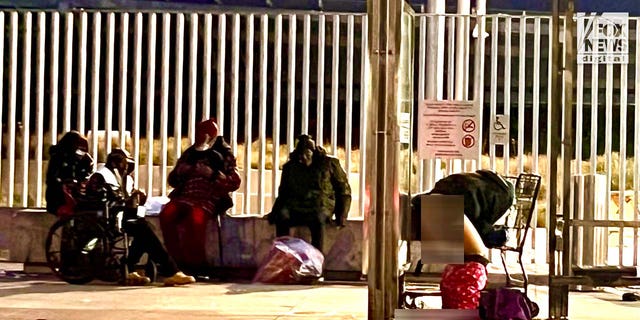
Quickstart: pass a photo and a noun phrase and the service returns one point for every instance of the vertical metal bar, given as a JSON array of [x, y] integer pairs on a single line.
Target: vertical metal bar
[[42, 29], [82, 74], [535, 133], [178, 94], [235, 83], [479, 71], [151, 83], [422, 45], [291, 75], [13, 92], [137, 91], [206, 74], [349, 96], [623, 152], [608, 131], [277, 80], [594, 118], [68, 74], [494, 87], [124, 61], [193, 75], [264, 48], [364, 75], [451, 56], [95, 86], [462, 47], [111, 35], [335, 84], [550, 111], [53, 78], [248, 113], [320, 92], [579, 115], [2, 27], [26, 106], [522, 58], [306, 44], [222, 42], [507, 89], [164, 100], [636, 149]]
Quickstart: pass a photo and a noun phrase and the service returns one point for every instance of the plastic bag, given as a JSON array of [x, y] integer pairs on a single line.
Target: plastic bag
[[290, 261]]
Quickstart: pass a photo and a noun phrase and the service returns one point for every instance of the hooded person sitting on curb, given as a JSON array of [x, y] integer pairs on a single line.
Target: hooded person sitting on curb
[[313, 188]]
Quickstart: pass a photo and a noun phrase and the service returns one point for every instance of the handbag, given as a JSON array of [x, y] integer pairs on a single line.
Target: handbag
[[506, 304]]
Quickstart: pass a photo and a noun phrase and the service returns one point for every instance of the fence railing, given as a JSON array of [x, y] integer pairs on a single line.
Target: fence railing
[[141, 80]]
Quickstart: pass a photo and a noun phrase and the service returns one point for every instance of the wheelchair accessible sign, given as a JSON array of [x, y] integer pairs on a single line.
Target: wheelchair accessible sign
[[448, 130]]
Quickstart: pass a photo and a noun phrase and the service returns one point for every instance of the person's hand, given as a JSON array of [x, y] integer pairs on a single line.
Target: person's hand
[[140, 196]]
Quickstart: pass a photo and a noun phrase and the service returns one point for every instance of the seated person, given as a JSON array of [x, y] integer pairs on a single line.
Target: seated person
[[202, 179], [112, 183], [487, 197], [313, 188], [67, 172]]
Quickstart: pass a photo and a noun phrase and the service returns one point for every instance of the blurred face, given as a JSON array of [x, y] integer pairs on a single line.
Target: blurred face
[[306, 157], [121, 165], [81, 152]]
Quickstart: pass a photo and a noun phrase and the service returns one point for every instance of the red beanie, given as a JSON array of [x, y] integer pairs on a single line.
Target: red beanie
[[206, 127]]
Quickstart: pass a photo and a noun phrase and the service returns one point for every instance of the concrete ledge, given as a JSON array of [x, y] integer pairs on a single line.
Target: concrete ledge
[[246, 240]]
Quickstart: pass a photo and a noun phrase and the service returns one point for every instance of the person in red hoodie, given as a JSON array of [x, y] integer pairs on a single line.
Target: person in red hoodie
[[202, 179]]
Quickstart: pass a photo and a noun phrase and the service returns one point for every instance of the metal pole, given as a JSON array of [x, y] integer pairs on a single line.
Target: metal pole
[[559, 294], [384, 30]]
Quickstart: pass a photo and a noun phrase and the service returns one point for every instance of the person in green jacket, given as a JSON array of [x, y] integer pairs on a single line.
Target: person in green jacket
[[313, 189]]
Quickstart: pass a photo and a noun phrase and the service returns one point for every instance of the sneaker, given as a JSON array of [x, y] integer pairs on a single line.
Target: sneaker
[[179, 279], [135, 279]]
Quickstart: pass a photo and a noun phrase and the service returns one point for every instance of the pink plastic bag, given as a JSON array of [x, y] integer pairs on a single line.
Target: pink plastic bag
[[290, 261]]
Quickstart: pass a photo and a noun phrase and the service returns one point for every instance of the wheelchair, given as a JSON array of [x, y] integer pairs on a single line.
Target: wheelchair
[[91, 244]]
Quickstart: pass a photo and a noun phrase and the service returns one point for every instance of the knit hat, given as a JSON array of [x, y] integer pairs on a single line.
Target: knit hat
[[204, 128]]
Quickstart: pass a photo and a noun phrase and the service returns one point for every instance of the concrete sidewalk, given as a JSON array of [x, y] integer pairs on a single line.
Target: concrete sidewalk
[[41, 296]]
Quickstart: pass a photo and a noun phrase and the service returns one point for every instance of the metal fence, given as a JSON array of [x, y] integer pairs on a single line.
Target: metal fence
[[143, 79], [266, 77]]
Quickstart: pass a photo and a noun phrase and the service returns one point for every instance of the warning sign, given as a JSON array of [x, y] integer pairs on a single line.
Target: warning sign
[[448, 130]]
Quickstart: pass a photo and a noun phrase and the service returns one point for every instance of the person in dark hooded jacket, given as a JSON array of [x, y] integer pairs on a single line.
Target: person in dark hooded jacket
[[68, 170], [487, 197], [313, 188]]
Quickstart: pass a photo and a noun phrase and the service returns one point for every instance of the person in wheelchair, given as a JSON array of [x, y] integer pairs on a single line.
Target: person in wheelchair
[[112, 185], [67, 172]]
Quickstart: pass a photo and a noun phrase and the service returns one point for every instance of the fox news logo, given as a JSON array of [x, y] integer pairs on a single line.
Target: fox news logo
[[603, 38]]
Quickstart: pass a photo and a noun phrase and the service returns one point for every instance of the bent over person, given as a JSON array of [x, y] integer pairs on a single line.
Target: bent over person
[[114, 184], [313, 189], [202, 179]]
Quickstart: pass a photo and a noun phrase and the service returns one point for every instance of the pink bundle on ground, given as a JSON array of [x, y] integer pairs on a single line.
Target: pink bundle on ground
[[461, 285], [290, 260]]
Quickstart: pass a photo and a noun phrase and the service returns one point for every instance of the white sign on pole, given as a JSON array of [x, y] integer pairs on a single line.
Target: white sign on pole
[[448, 130], [500, 129]]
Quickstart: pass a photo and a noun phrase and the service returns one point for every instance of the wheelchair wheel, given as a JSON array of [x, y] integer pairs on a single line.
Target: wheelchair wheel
[[151, 270], [76, 247]]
